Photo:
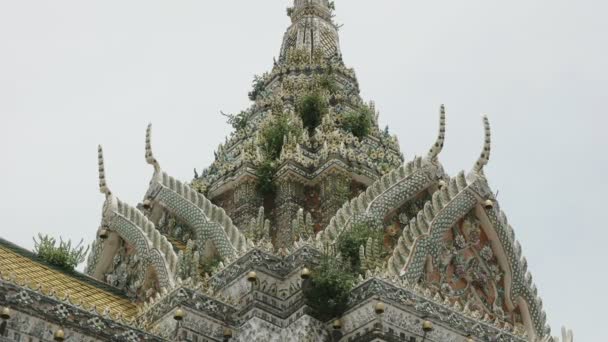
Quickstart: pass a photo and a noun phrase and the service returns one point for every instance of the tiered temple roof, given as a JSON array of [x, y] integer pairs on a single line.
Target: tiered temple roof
[[305, 166]]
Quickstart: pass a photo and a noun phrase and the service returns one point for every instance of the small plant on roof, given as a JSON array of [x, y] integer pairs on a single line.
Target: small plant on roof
[[358, 122], [311, 108], [265, 173], [274, 133], [258, 87], [329, 288], [63, 255], [290, 11], [272, 136], [328, 82], [350, 242], [238, 121]]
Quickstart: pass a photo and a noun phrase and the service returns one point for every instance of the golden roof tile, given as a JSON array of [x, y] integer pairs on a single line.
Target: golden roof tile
[[23, 266]]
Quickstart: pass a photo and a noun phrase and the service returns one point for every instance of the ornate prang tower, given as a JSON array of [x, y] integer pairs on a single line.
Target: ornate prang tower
[[332, 150], [308, 226]]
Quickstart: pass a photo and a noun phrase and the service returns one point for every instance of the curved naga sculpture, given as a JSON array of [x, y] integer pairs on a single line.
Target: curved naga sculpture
[[438, 146], [390, 192], [420, 244], [131, 225], [453, 201], [567, 336], [209, 222]]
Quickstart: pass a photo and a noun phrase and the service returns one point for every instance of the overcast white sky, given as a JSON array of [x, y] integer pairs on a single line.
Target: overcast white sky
[[76, 73]]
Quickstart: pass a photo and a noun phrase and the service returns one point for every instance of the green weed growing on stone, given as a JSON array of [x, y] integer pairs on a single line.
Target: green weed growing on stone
[[358, 122], [63, 255], [311, 108], [327, 292]]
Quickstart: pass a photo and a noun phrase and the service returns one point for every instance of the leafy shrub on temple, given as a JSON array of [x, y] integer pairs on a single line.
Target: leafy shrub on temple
[[327, 292], [239, 121], [258, 87], [359, 122], [265, 173], [273, 135], [64, 255], [312, 108], [349, 244], [328, 82]]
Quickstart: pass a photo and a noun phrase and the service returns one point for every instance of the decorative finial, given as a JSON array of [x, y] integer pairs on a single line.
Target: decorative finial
[[149, 156], [438, 146], [567, 335], [487, 147], [103, 187]]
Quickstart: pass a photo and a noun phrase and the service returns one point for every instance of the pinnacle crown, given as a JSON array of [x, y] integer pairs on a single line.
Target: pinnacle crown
[[301, 8]]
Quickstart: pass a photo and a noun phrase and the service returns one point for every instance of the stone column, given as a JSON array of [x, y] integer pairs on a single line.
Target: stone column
[[247, 201], [289, 199], [334, 191]]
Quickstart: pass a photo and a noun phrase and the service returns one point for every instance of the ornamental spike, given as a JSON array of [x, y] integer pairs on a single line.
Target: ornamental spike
[[103, 187], [149, 156], [438, 146], [487, 148]]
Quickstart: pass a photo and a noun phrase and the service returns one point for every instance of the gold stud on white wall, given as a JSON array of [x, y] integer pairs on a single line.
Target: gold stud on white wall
[[179, 315], [488, 204], [59, 335], [227, 333], [5, 314], [147, 204], [103, 234], [305, 274], [427, 326], [379, 308]]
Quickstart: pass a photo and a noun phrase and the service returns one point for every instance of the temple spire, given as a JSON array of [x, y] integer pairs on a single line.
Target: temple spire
[[299, 4], [312, 31]]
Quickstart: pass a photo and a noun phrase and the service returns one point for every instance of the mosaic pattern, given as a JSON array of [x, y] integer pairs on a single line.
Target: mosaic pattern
[[453, 259], [209, 222]]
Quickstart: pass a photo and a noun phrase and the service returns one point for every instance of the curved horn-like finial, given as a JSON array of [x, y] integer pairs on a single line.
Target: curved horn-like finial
[[487, 147], [103, 187], [567, 335], [149, 156], [438, 146]]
